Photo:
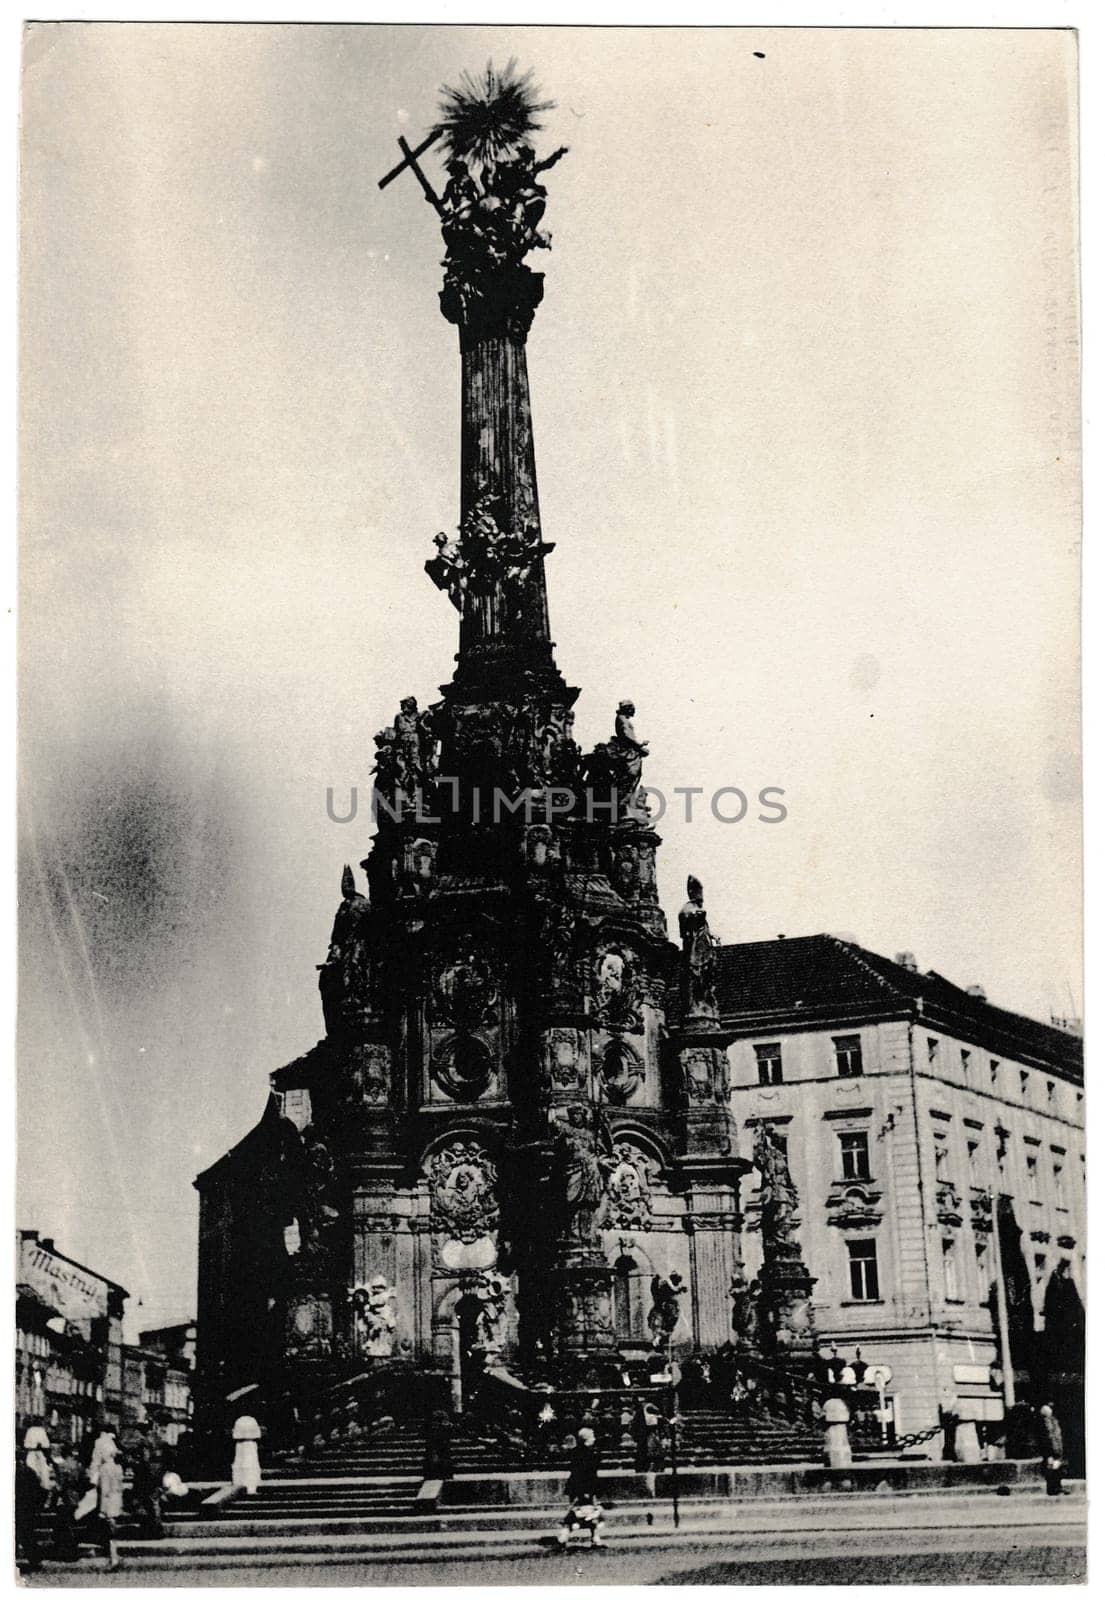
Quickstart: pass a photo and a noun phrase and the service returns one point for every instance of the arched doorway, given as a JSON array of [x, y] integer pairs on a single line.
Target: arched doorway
[[630, 1311], [469, 1358]]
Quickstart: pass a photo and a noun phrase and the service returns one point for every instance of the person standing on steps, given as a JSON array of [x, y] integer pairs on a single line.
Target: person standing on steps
[[582, 1488]]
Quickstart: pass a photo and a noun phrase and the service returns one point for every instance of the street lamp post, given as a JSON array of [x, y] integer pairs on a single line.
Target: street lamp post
[[1007, 1390]]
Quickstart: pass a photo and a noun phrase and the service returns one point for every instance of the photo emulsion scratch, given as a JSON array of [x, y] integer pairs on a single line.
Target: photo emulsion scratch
[[688, 1183]]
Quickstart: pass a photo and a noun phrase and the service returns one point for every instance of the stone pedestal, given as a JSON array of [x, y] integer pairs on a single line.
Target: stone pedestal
[[838, 1448], [967, 1447], [787, 1286], [586, 1348]]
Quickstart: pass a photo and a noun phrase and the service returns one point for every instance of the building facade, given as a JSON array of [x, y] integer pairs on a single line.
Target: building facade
[[68, 1343], [157, 1380], [915, 1116]]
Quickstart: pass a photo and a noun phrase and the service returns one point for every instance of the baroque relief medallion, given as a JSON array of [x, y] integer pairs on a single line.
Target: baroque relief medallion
[[463, 1202], [630, 1186], [617, 988]]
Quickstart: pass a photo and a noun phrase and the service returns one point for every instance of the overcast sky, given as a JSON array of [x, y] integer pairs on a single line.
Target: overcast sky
[[805, 400]]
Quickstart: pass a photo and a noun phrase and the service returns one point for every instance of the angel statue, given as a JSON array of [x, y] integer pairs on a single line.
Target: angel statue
[[663, 1318]]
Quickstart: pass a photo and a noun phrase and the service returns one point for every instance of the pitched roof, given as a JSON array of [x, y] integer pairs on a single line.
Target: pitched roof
[[819, 979]]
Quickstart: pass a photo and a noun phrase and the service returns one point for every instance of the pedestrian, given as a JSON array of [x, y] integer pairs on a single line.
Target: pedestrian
[[1051, 1449], [70, 1487], [29, 1501], [582, 1488], [438, 1459], [36, 1451], [109, 1501], [148, 1469], [103, 1450], [648, 1441]]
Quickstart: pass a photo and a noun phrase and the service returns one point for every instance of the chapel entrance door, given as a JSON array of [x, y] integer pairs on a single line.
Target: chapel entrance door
[[471, 1360]]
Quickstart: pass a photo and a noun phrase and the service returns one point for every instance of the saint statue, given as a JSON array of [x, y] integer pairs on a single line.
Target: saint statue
[[580, 1167], [343, 978], [778, 1195], [699, 953]]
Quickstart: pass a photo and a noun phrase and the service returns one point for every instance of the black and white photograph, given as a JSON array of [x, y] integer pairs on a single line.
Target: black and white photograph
[[550, 1042]]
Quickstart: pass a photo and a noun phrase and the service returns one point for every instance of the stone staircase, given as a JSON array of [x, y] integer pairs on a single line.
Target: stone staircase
[[711, 1436], [714, 1437]]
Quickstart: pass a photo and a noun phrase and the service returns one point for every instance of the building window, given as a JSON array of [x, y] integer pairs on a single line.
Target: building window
[[769, 1062], [1050, 1093], [1024, 1085], [933, 1049], [982, 1271], [951, 1270], [965, 1062], [1039, 1261], [972, 1161], [854, 1162], [1032, 1166], [1059, 1179], [940, 1151], [849, 1058], [864, 1269]]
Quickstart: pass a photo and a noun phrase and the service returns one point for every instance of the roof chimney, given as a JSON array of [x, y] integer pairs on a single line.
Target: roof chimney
[[906, 959], [976, 991]]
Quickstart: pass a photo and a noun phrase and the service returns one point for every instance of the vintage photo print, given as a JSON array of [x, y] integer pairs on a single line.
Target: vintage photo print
[[550, 1041]]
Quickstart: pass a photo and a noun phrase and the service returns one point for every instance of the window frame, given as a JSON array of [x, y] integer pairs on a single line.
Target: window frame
[[848, 1050], [769, 1056], [854, 1143], [863, 1270]]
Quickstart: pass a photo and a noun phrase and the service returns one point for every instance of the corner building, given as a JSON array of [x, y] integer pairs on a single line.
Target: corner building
[[915, 1114]]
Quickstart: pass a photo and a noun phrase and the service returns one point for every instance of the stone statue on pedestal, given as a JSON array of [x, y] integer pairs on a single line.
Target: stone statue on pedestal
[[699, 954]]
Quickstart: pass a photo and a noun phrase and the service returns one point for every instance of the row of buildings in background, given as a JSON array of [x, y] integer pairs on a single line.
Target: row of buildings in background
[[74, 1372]]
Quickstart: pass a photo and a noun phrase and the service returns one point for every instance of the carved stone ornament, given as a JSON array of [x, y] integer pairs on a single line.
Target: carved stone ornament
[[308, 1328], [698, 1075], [616, 988], [853, 1205], [622, 1071], [491, 1290], [465, 992], [463, 1066], [981, 1217], [948, 1205], [374, 1318], [463, 1202], [372, 1073], [630, 1187], [556, 939], [562, 1057]]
